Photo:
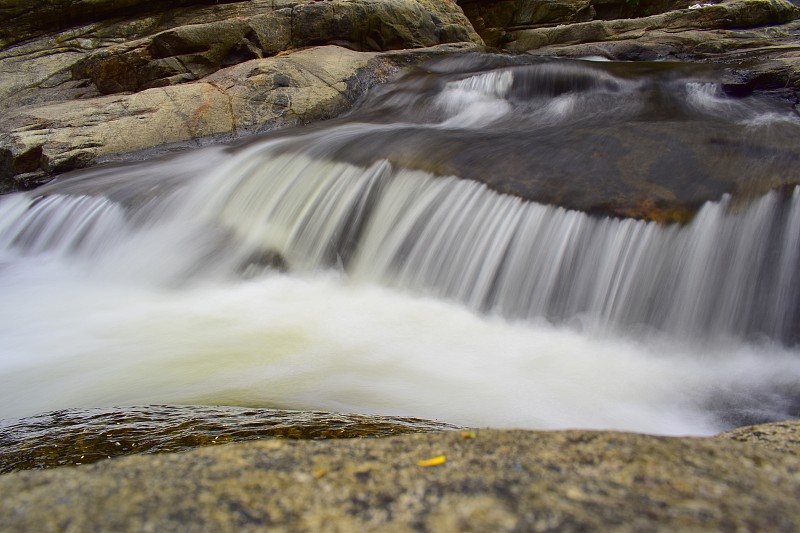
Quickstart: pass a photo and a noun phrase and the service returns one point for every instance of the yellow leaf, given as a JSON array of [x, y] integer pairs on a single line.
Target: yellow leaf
[[320, 472], [434, 461], [468, 435]]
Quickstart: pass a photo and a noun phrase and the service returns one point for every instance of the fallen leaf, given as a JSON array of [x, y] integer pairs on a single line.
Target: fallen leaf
[[433, 461]]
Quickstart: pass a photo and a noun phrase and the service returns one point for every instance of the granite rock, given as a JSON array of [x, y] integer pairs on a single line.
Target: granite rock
[[38, 141], [85, 79], [486, 480]]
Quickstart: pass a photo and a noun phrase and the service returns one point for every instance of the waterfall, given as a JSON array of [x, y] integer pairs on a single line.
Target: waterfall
[[288, 272], [727, 273]]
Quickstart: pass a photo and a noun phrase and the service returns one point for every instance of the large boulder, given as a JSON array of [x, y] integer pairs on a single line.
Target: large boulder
[[258, 95], [486, 480], [492, 19], [25, 19], [730, 14], [193, 50], [159, 46], [116, 77]]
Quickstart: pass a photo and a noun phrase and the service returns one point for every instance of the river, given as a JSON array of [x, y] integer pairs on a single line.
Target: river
[[350, 266]]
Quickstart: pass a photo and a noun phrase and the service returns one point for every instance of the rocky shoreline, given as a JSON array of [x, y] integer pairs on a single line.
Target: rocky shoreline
[[477, 480], [119, 82], [112, 79]]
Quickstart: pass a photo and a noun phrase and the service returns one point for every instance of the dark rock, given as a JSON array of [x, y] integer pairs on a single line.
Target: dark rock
[[492, 19], [628, 9], [730, 14], [25, 19], [634, 139], [262, 260]]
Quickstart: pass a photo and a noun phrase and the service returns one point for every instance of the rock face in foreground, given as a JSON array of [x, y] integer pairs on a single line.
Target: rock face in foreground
[[490, 480]]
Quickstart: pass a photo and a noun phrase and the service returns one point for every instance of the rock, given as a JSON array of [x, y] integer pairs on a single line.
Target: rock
[[192, 51], [489, 480], [22, 20], [757, 38], [312, 84], [491, 19], [780, 436], [55, 71], [730, 14], [652, 141], [761, 57], [627, 9]]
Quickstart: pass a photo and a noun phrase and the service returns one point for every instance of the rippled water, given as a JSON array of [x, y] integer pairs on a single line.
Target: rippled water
[[83, 436]]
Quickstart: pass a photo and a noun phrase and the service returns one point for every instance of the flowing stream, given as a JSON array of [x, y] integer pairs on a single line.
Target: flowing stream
[[310, 270]]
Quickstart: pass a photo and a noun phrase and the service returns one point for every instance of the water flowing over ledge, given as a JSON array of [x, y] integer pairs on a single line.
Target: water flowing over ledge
[[726, 273], [290, 273]]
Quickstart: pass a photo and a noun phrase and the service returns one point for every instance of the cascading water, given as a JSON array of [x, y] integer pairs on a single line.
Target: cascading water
[[314, 270]]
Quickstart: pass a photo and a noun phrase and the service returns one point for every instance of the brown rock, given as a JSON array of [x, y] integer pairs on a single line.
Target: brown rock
[[780, 436], [496, 481], [255, 96], [53, 71], [492, 19], [192, 51]]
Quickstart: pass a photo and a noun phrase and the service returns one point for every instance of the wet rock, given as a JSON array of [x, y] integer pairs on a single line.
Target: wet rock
[[490, 480], [756, 39], [492, 19], [55, 71], [652, 141], [255, 96], [731, 14], [262, 260], [192, 51], [85, 436]]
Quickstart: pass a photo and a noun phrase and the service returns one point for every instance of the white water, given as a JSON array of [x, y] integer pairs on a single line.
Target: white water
[[101, 307], [319, 342], [406, 294]]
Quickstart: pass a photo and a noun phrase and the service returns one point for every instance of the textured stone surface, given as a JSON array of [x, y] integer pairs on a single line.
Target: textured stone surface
[[492, 19], [311, 84], [491, 480], [781, 436], [730, 14], [260, 29], [24, 19], [54, 70]]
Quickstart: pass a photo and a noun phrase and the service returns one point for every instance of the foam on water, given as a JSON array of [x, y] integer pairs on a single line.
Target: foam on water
[[123, 311], [406, 293], [319, 342]]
